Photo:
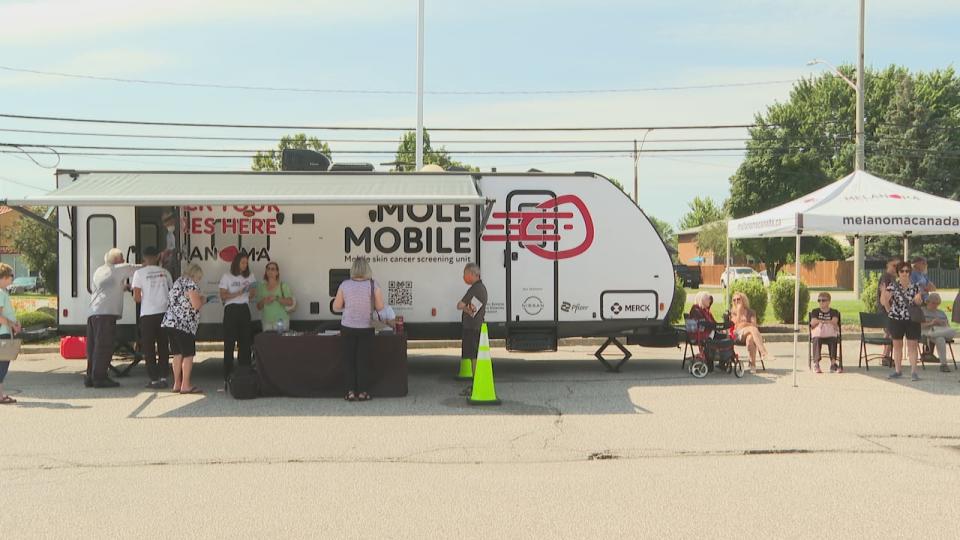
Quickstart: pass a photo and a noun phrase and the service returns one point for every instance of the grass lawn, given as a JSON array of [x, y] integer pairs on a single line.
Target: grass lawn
[[849, 309]]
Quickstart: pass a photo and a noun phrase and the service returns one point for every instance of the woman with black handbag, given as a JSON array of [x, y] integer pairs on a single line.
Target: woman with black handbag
[[359, 298], [8, 327], [902, 301]]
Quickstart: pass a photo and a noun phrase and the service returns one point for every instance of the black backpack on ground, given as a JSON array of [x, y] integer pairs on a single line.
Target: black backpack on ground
[[243, 383]]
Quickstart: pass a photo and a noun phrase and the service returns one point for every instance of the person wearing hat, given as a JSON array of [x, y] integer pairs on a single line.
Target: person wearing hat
[[151, 288]]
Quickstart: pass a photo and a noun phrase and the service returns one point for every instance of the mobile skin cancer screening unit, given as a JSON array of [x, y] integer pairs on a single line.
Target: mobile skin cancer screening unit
[[562, 255]]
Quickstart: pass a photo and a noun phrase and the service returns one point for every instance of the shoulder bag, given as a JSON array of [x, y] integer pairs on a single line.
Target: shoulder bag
[[9, 349]]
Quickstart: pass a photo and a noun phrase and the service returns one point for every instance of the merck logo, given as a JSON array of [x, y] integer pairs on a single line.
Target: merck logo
[[540, 230]]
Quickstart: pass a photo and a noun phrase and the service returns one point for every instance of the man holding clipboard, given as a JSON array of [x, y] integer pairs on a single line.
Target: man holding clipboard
[[473, 305]]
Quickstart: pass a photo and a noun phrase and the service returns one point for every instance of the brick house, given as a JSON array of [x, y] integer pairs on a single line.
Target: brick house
[[9, 221]]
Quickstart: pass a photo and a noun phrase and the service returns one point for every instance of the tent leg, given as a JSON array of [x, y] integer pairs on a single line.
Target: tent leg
[[726, 293], [906, 248], [796, 308]]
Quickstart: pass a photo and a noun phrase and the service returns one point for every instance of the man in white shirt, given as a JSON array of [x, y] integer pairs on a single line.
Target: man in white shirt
[[151, 288]]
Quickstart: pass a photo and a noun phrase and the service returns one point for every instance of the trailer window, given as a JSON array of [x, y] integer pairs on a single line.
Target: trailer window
[[101, 237]]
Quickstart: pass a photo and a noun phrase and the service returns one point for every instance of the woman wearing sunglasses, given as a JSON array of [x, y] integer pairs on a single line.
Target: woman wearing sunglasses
[[898, 299]]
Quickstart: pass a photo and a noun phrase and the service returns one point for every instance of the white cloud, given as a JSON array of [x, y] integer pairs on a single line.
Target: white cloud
[[51, 20]]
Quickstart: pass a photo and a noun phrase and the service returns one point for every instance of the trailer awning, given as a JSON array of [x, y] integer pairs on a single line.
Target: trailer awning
[[173, 189]]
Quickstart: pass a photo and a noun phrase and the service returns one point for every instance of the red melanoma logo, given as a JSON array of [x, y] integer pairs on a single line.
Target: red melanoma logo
[[540, 228]]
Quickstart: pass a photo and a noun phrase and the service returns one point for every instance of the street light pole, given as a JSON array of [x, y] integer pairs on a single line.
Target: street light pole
[[860, 152], [419, 153]]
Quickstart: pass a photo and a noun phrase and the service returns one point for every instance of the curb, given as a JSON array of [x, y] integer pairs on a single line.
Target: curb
[[209, 346]]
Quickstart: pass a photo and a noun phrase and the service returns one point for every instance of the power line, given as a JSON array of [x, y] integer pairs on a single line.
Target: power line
[[394, 92], [374, 128], [17, 182], [433, 141]]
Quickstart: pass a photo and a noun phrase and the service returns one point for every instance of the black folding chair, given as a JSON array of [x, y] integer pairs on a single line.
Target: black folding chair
[[926, 352], [872, 321], [839, 339]]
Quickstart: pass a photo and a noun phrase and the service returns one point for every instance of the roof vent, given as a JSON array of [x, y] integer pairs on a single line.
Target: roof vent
[[298, 159], [346, 167]]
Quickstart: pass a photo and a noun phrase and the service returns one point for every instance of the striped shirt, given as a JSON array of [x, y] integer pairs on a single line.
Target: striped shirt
[[357, 303]]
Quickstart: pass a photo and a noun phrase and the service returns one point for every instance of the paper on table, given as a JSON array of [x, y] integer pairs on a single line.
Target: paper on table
[[477, 304]]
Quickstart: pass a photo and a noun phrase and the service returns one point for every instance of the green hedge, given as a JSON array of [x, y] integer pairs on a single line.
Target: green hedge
[[756, 292], [868, 294], [36, 318], [781, 299], [679, 301]]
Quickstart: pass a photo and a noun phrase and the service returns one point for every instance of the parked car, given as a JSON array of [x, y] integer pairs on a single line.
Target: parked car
[[736, 273], [24, 284], [690, 275]]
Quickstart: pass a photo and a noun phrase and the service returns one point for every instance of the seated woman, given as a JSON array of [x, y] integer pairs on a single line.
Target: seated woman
[[824, 330], [745, 328], [936, 328], [701, 311]]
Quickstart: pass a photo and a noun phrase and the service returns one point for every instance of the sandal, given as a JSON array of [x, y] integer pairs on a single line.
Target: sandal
[[351, 396], [191, 390], [363, 396], [7, 400]]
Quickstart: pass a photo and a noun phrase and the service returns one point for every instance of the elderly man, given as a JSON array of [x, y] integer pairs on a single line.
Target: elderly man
[[919, 277], [110, 282]]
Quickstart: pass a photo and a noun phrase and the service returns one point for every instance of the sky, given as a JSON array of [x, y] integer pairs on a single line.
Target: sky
[[495, 63]]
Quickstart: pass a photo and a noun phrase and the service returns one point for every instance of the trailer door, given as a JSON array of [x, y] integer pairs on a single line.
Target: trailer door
[[531, 276], [103, 228]]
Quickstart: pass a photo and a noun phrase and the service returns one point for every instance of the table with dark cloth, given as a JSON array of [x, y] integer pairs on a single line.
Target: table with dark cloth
[[311, 366]]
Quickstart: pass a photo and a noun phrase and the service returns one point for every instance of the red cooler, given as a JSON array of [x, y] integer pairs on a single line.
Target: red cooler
[[73, 347]]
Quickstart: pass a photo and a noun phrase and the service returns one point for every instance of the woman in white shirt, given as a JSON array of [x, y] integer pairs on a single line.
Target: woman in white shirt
[[236, 290]]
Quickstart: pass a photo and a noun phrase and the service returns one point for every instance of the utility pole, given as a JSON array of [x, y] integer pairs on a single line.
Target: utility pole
[[636, 157], [860, 160], [419, 153]]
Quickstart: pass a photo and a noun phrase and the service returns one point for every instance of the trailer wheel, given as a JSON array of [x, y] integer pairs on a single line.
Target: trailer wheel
[[738, 369], [699, 369]]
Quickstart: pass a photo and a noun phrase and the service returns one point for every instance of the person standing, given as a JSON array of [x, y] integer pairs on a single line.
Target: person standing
[[110, 282], [151, 288], [273, 299], [473, 307], [236, 291], [8, 325], [181, 321], [898, 298], [358, 298], [919, 277], [169, 257], [889, 276]]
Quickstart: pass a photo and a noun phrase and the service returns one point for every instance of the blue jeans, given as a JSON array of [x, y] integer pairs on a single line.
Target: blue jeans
[[4, 365]]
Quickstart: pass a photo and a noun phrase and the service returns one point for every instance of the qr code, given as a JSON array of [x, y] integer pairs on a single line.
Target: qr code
[[400, 293]]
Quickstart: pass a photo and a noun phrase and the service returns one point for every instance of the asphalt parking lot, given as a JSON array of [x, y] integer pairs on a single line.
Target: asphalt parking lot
[[573, 452]]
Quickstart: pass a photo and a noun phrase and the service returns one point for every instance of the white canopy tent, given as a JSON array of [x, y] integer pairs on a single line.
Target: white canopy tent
[[857, 204]]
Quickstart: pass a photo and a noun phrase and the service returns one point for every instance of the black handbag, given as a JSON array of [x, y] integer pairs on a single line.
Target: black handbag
[[243, 383], [916, 313]]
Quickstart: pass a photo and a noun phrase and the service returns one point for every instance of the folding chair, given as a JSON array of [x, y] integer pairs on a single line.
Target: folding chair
[[839, 339], [873, 321], [926, 350]]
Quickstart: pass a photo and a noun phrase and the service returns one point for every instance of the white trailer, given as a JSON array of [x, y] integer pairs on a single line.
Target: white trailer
[[562, 255]]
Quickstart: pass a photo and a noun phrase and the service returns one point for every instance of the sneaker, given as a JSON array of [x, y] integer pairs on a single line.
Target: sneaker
[[816, 367], [156, 385], [914, 377], [164, 382], [834, 367], [944, 368], [894, 375], [106, 383]]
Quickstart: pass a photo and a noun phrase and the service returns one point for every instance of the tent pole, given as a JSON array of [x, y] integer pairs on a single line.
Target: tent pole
[[906, 248], [796, 306], [726, 293]]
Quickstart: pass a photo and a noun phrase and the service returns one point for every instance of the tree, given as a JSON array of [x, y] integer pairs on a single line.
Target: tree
[[270, 160], [37, 244], [913, 138], [407, 154], [703, 210], [713, 237], [665, 231]]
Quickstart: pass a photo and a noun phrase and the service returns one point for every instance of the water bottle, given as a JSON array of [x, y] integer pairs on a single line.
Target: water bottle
[[399, 324], [280, 326]]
